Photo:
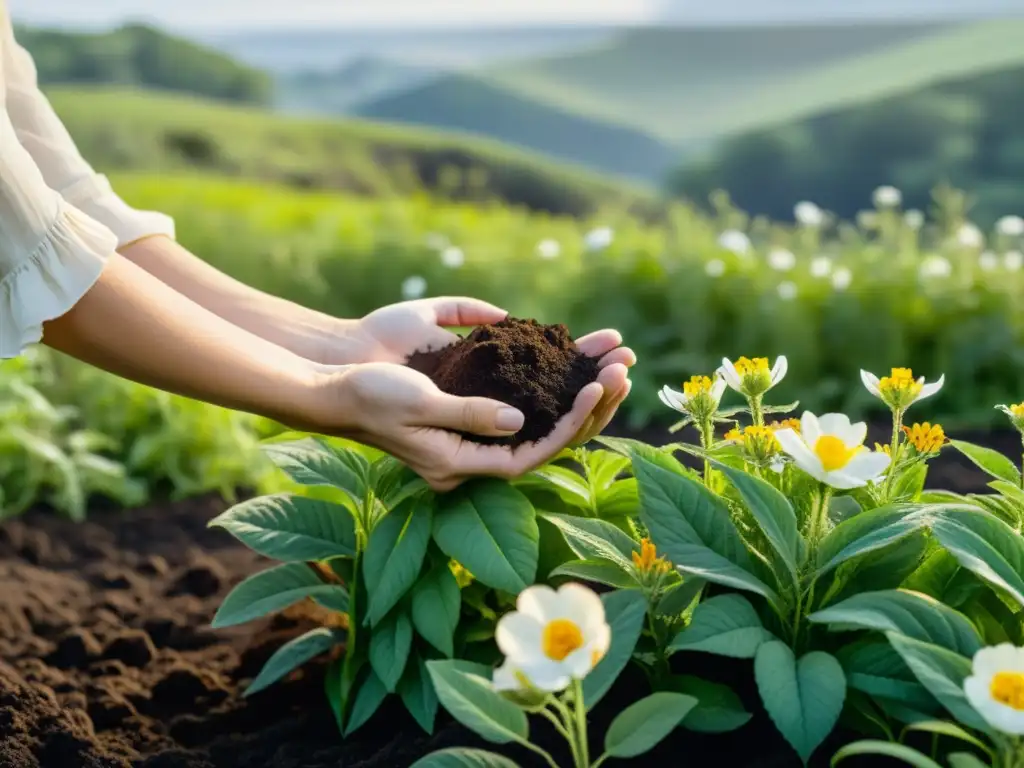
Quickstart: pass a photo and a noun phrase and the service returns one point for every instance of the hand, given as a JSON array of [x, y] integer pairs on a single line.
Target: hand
[[401, 411]]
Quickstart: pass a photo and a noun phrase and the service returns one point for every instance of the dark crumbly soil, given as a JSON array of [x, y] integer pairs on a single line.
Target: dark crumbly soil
[[107, 659], [535, 368]]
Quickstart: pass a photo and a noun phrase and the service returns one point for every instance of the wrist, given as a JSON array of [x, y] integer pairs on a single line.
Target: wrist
[[327, 405]]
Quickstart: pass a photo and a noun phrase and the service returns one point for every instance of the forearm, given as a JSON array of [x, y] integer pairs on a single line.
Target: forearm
[[309, 334], [133, 325]]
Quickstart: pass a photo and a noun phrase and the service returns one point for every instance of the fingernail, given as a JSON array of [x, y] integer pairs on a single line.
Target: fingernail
[[509, 420]]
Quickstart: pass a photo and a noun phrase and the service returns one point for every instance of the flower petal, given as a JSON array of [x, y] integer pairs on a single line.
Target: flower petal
[[835, 424], [1004, 657], [518, 636], [718, 389], [809, 428], [794, 445], [930, 389], [673, 399], [779, 369], [731, 376], [505, 679], [976, 689], [582, 606], [867, 465], [547, 675], [871, 382], [539, 601]]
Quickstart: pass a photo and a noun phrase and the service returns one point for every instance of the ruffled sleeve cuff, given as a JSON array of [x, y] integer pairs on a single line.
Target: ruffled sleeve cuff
[[51, 280], [94, 196]]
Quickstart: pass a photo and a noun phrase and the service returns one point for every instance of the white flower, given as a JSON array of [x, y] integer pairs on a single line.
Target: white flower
[[715, 268], [935, 266], [831, 450], [781, 260], [735, 241], [787, 290], [969, 236], [821, 266], [549, 249], [900, 390], [552, 637], [988, 261], [453, 257], [413, 287], [808, 214], [914, 219], [842, 278], [1010, 226], [752, 377], [995, 687], [887, 197], [700, 393], [1013, 260], [597, 239]]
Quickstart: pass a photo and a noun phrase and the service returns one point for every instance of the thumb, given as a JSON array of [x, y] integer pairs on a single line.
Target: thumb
[[475, 415]]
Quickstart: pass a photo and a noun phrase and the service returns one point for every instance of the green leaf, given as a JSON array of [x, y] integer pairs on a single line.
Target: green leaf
[[876, 669], [942, 672], [293, 655], [718, 709], [569, 485], [593, 539], [603, 468], [726, 625], [620, 500], [599, 571], [803, 698], [965, 760], [868, 532], [332, 689], [910, 482], [393, 482], [418, 694], [368, 699], [394, 555], [460, 757], [471, 700], [774, 515], [692, 527], [678, 598], [985, 546], [313, 461], [291, 528], [910, 613], [491, 528], [992, 462], [624, 610], [436, 603], [390, 643], [885, 749], [952, 730], [640, 726], [272, 590]]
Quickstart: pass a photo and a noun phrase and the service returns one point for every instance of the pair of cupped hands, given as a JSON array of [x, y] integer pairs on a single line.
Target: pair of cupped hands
[[401, 411]]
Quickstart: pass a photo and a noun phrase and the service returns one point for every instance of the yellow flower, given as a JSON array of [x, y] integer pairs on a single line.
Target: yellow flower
[[699, 399], [646, 560], [926, 438], [793, 424], [462, 576], [1016, 414], [900, 390], [753, 377], [883, 449]]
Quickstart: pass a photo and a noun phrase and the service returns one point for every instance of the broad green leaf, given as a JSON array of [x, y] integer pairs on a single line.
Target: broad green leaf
[[992, 462], [942, 672], [868, 532], [875, 668], [291, 528], [491, 528], [910, 483], [436, 602], [935, 576], [393, 482], [774, 515], [885, 749], [313, 461], [910, 613], [718, 709], [625, 611], [985, 545], [951, 730], [293, 655], [603, 468], [965, 760], [599, 571], [569, 485], [630, 448], [726, 625], [471, 700], [593, 539], [390, 643], [394, 555], [418, 694], [272, 590], [620, 500], [804, 697], [842, 508], [643, 724], [460, 757], [368, 699], [679, 597], [692, 527]]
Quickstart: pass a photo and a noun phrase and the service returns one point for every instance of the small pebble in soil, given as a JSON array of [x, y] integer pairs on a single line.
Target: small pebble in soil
[[533, 367], [75, 649]]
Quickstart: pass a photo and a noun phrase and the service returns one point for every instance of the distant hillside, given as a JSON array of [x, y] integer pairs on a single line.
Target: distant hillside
[[135, 131], [138, 55], [340, 91], [465, 103]]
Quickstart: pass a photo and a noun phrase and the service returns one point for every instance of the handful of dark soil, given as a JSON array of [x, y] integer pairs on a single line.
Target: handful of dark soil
[[535, 368]]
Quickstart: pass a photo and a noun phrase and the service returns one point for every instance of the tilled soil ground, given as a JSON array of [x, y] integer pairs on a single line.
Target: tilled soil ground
[[107, 659]]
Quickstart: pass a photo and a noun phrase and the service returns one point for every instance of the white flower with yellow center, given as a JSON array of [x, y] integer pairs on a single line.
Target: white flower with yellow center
[[552, 638], [753, 377], [700, 396], [900, 390], [831, 450], [995, 687]]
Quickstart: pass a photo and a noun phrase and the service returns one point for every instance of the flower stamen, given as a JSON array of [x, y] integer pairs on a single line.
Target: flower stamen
[[560, 638], [1008, 688], [833, 452]]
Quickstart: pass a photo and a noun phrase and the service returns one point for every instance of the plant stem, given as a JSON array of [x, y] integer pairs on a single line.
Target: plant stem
[[662, 663], [894, 451], [583, 757], [707, 431], [756, 412], [534, 748], [555, 721]]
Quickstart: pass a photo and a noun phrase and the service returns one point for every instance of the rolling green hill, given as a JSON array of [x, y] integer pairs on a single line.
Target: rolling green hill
[[128, 130]]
